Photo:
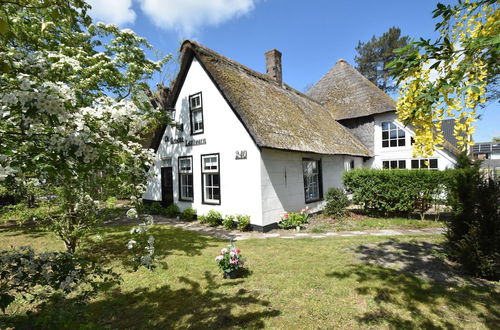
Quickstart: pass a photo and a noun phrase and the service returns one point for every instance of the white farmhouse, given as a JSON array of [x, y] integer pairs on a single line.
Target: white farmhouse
[[246, 143]]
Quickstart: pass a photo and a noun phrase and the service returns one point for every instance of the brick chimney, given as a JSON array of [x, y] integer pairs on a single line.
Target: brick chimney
[[273, 65]]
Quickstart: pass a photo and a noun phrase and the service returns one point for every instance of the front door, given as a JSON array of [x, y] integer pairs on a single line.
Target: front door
[[167, 186]]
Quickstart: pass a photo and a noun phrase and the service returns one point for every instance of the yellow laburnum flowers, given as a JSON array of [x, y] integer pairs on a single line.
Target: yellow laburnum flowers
[[449, 84]]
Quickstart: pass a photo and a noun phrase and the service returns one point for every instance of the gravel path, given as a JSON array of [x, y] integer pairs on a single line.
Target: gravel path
[[238, 235]]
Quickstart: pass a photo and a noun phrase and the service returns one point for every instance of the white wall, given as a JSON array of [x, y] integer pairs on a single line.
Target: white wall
[[445, 158], [224, 134], [283, 182]]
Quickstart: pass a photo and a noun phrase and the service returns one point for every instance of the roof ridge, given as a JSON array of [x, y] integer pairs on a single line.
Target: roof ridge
[[255, 73]]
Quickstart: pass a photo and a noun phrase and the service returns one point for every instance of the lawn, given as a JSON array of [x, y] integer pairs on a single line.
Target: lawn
[[323, 224], [301, 283]]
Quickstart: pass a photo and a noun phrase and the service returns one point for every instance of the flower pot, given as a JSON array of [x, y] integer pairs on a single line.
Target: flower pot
[[231, 274]]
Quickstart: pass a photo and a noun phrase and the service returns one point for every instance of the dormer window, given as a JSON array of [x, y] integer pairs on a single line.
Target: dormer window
[[392, 135], [196, 113]]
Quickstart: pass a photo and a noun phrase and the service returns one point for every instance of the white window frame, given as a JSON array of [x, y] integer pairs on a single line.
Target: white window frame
[[186, 183], [392, 162], [208, 174], [399, 138], [422, 165], [196, 106], [312, 181]]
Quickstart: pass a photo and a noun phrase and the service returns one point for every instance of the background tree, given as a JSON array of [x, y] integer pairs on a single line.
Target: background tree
[[375, 54], [451, 76], [73, 108]]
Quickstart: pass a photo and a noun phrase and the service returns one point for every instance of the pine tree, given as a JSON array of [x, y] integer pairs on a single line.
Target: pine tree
[[375, 54]]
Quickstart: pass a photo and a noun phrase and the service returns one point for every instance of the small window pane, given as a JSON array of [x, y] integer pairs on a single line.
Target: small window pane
[[394, 143], [385, 144], [385, 126], [392, 126], [394, 164], [414, 163], [385, 135], [402, 164], [394, 134], [401, 142], [401, 133], [433, 163], [423, 164], [312, 179], [385, 164]]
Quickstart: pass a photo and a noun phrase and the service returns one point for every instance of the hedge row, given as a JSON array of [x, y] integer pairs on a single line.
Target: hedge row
[[396, 192]]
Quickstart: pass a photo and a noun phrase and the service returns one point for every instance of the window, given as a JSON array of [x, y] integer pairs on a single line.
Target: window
[[431, 164], [313, 190], [196, 111], [393, 164], [210, 178], [392, 136], [186, 178]]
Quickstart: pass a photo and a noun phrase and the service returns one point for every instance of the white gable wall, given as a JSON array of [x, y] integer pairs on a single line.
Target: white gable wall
[[224, 134], [445, 158]]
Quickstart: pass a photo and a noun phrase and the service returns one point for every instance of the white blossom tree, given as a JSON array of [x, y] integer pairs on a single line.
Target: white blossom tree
[[73, 108]]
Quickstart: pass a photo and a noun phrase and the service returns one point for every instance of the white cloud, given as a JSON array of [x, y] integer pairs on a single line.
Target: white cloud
[[188, 16], [117, 12]]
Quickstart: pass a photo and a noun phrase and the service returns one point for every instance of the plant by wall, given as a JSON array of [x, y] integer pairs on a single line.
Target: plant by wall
[[188, 214], [212, 218], [294, 219], [336, 203], [395, 192], [243, 222]]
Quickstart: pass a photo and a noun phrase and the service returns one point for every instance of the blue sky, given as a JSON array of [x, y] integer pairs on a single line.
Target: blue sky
[[312, 35]]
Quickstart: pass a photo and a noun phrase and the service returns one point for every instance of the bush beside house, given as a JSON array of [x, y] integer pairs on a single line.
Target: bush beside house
[[395, 192], [473, 233]]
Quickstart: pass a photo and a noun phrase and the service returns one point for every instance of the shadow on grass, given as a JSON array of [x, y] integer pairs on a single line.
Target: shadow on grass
[[30, 231], [168, 240], [413, 287], [194, 306]]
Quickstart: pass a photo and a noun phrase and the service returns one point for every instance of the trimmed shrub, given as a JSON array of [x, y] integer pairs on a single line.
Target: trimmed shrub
[[154, 208], [473, 233], [188, 214], [243, 222], [395, 192], [228, 222], [336, 203], [212, 218], [171, 211]]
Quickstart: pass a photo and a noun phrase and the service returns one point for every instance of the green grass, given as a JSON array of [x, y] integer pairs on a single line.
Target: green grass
[[321, 224], [303, 283]]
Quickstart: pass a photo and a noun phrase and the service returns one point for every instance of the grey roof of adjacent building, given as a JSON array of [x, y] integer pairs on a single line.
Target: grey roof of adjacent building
[[275, 115], [348, 94], [486, 148]]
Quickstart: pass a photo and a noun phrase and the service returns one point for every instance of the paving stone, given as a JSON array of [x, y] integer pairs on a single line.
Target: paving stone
[[318, 236], [302, 235], [287, 236]]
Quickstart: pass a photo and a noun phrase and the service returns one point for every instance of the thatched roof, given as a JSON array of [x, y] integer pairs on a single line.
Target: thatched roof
[[276, 116], [348, 94]]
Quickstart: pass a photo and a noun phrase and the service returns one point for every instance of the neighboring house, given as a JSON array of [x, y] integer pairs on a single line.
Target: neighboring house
[[489, 154], [370, 114], [246, 143]]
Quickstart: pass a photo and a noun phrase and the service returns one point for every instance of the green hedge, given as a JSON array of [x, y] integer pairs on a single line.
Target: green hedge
[[395, 192]]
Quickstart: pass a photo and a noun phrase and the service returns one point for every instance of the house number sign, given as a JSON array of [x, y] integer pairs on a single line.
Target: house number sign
[[241, 154]]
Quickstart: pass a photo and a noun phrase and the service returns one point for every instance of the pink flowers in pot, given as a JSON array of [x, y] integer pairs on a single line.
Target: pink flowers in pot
[[230, 261]]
